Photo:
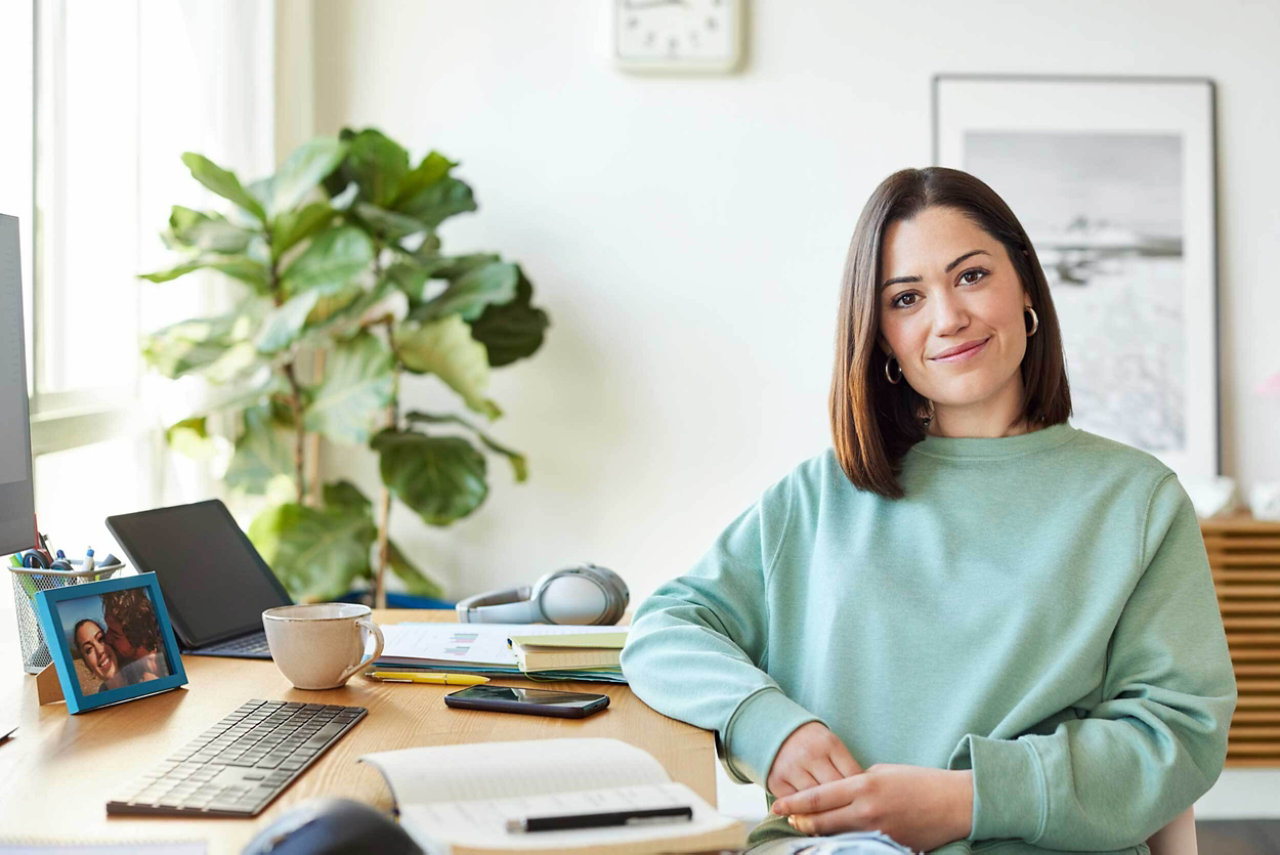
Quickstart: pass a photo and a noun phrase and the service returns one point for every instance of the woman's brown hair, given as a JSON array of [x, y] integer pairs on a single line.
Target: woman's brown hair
[[873, 422]]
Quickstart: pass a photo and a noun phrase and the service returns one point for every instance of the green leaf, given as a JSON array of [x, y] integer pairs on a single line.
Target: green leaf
[[409, 278], [415, 581], [194, 344], [317, 554], [457, 266], [441, 478], [377, 164], [518, 463], [356, 389], [511, 331], [429, 171], [190, 437], [291, 227], [345, 496], [190, 229], [469, 294], [306, 166], [437, 202], [332, 259], [239, 267], [446, 349], [222, 182], [284, 324], [387, 225], [264, 451]]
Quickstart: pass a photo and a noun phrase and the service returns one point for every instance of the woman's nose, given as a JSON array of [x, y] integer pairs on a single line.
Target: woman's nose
[[949, 313]]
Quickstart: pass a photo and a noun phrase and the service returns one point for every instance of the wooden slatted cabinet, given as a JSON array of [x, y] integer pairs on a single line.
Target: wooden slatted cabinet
[[1244, 555]]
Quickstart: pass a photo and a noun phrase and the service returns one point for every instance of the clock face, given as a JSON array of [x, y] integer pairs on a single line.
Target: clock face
[[677, 34]]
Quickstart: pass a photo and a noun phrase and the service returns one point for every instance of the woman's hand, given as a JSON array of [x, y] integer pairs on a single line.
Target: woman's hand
[[919, 807], [810, 756]]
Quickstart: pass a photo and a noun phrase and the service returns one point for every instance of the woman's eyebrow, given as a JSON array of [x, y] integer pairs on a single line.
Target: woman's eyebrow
[[950, 267]]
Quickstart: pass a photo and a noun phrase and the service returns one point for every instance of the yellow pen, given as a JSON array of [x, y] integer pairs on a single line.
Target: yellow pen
[[416, 677]]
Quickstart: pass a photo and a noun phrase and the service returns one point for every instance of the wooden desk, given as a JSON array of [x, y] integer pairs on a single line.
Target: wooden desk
[[58, 770]]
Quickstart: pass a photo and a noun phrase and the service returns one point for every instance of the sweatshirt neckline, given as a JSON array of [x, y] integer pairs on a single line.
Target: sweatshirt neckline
[[993, 448]]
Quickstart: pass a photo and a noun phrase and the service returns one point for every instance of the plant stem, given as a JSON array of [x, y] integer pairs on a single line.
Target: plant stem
[[299, 432], [384, 495]]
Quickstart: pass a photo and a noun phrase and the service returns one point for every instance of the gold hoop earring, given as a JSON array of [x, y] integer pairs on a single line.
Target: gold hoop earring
[[887, 375], [1035, 321]]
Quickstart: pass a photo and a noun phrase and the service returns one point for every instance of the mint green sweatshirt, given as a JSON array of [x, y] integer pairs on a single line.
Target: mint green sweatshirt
[[1037, 608]]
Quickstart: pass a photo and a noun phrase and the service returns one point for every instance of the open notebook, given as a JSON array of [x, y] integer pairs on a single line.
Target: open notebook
[[456, 799]]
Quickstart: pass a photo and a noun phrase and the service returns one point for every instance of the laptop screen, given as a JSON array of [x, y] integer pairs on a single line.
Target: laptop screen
[[214, 582]]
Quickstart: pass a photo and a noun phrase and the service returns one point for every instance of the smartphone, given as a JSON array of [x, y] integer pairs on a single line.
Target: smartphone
[[527, 701]]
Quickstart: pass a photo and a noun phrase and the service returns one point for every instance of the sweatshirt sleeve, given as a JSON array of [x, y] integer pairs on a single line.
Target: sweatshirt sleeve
[[1158, 739], [697, 647]]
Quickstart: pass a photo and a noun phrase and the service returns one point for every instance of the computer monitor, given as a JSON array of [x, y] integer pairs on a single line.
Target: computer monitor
[[17, 495]]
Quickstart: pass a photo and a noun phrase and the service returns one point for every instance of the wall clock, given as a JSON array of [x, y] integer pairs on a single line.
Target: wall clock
[[678, 35]]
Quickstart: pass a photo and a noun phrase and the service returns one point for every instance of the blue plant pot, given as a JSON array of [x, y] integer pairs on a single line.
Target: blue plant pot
[[399, 601]]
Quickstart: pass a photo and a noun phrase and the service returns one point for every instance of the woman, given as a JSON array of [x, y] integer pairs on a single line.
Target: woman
[[90, 640], [969, 620]]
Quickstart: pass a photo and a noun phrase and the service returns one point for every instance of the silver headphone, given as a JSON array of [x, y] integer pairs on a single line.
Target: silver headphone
[[583, 595]]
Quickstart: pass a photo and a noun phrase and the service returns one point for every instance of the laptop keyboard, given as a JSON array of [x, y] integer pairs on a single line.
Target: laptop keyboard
[[237, 767], [246, 646]]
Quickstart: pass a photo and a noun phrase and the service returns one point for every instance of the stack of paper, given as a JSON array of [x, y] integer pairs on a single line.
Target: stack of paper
[[483, 648], [596, 652]]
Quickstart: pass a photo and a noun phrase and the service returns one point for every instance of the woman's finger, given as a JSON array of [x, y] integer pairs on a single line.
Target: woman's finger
[[802, 780], [844, 762], [824, 771], [815, 799]]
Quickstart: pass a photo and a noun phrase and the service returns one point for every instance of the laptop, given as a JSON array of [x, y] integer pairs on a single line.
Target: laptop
[[215, 584]]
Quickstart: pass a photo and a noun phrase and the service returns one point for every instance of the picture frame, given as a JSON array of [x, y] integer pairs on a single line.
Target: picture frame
[[1114, 181], [111, 641]]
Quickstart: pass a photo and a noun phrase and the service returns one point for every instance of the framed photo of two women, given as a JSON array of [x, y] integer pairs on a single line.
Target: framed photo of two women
[[1114, 181]]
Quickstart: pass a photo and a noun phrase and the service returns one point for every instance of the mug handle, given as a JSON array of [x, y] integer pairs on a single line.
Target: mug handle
[[377, 633]]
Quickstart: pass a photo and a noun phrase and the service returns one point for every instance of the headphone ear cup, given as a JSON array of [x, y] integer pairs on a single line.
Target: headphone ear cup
[[572, 597]]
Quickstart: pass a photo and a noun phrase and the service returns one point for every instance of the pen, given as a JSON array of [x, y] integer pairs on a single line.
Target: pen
[[683, 813], [441, 679]]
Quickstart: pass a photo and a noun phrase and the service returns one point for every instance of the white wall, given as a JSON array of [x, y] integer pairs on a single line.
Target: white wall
[[686, 235]]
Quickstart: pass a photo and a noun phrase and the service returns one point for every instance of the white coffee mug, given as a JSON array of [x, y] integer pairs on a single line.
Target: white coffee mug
[[320, 646]]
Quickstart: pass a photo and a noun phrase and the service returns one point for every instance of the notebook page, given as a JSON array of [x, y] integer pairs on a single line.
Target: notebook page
[[494, 770], [467, 643], [481, 824]]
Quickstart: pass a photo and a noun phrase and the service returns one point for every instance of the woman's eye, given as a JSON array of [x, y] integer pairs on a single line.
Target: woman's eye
[[978, 270], [897, 301]]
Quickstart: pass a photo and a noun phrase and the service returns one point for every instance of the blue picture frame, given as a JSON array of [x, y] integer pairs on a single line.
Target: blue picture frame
[[65, 616]]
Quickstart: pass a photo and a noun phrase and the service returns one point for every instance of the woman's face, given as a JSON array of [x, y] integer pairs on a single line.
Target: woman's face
[[964, 291], [97, 654]]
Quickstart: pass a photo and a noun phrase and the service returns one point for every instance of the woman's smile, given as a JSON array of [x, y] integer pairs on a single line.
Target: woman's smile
[[966, 352]]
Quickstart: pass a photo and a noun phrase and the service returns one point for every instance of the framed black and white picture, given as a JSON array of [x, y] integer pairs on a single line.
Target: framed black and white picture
[[1114, 181]]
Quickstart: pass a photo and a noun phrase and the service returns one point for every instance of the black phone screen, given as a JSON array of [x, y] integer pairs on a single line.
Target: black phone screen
[[536, 701]]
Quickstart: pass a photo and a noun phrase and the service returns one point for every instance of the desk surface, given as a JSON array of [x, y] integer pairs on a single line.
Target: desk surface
[[58, 770]]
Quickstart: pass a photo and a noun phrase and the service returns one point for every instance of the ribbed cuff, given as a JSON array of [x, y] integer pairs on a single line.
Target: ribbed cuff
[[757, 729], [1009, 796]]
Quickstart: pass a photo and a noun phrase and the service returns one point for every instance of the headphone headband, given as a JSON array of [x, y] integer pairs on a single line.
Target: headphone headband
[[587, 594]]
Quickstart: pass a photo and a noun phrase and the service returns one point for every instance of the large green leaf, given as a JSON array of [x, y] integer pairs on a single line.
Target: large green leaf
[[306, 166], [469, 294], [356, 390], [290, 227], [387, 225], [519, 466], [241, 267], [332, 259], [222, 182], [429, 171], [346, 498], [284, 324], [197, 230], [441, 478], [377, 164], [315, 553], [190, 437], [446, 349], [513, 330], [264, 450], [437, 202], [194, 344]]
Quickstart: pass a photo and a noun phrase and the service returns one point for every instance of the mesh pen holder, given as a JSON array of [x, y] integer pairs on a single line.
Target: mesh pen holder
[[27, 582]]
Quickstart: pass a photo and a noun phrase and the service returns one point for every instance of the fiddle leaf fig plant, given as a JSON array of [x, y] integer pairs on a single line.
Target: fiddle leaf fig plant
[[343, 298]]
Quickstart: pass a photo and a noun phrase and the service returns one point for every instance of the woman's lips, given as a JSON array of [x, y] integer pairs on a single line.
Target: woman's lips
[[964, 354]]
